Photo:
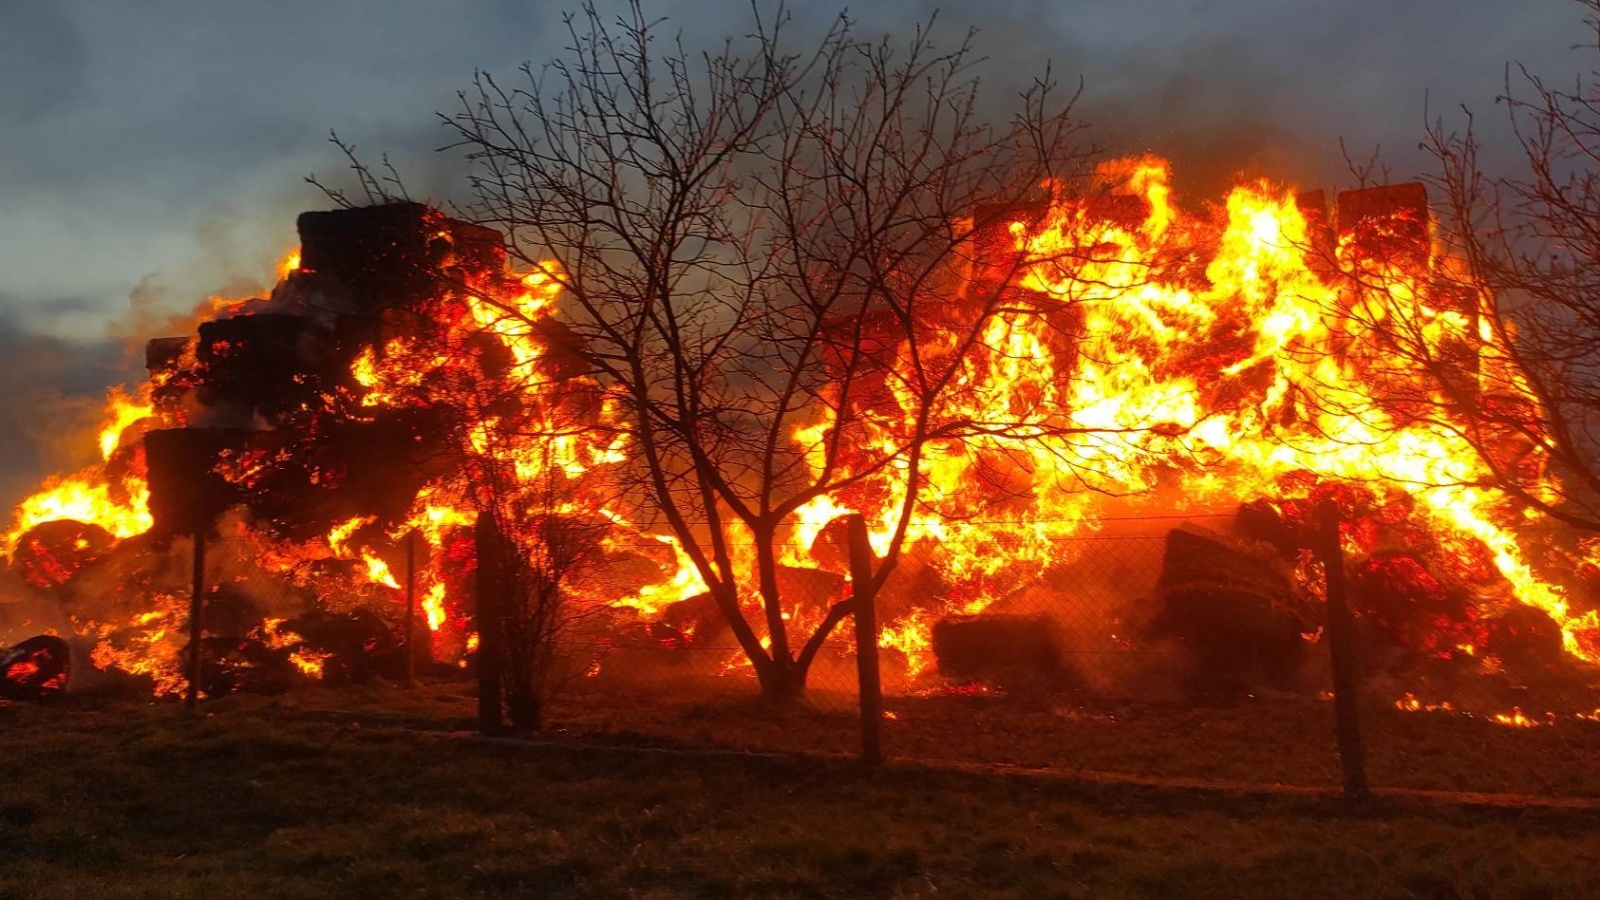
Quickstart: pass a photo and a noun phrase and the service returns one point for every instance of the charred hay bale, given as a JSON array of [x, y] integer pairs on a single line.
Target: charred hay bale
[[1313, 207], [169, 360], [354, 646], [230, 612], [564, 349], [346, 469], [36, 669], [1386, 223], [376, 256], [620, 573], [338, 470], [163, 356], [126, 465], [1011, 651], [268, 364], [394, 255], [1259, 520], [1401, 604], [687, 623], [234, 665], [1525, 637], [632, 646], [1194, 555], [51, 553], [186, 492], [917, 578], [830, 549], [1234, 608], [811, 589]]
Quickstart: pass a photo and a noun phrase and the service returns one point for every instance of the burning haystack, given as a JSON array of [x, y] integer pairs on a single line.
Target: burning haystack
[[1265, 352]]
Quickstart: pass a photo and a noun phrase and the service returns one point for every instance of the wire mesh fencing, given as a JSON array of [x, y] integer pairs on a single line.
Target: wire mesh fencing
[[1161, 648], [1075, 615], [1156, 647]]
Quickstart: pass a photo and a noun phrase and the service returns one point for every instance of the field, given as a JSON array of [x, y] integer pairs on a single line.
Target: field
[[1284, 741], [377, 792]]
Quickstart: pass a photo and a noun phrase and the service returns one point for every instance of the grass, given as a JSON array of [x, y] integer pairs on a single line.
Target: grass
[[1264, 741], [273, 799]]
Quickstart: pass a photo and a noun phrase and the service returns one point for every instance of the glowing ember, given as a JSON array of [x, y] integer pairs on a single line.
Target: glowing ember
[[1518, 719], [1410, 703], [150, 644]]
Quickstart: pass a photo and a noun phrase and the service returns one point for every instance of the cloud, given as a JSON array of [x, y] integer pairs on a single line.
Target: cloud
[[43, 61]]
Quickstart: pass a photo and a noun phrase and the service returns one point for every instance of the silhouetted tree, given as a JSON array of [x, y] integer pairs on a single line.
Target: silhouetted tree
[[762, 251], [1531, 243]]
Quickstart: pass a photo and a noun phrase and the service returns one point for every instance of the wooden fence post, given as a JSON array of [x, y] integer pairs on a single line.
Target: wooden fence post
[[866, 620], [1341, 646], [197, 602], [487, 542], [411, 608]]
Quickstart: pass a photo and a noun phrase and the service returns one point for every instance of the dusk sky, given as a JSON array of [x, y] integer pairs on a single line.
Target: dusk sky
[[152, 153]]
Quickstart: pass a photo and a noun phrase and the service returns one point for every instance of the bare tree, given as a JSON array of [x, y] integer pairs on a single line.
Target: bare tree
[[545, 545], [1531, 243], [522, 451], [768, 258], [515, 440]]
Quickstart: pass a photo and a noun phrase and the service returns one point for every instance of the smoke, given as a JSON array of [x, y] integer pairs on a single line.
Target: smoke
[[152, 312], [1213, 126], [53, 388], [51, 394], [1245, 87]]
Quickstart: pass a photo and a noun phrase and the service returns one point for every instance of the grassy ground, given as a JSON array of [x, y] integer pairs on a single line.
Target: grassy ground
[[1271, 741], [268, 799]]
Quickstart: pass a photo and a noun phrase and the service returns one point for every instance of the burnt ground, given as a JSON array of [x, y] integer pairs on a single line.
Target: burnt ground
[[377, 792]]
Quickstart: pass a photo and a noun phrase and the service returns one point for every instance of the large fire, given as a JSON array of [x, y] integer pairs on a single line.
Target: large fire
[[1248, 353]]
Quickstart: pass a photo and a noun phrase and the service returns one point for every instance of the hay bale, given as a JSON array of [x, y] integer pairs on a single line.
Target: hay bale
[[394, 255], [358, 644], [186, 493], [690, 622], [36, 669], [51, 553], [1260, 520], [1402, 606], [1006, 650], [1388, 222], [1526, 638], [269, 365], [1232, 606], [811, 589]]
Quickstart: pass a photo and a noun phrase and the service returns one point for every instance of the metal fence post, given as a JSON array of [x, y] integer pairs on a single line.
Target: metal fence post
[[1341, 646]]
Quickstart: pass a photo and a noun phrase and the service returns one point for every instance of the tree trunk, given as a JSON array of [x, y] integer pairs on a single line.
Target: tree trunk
[[787, 682], [785, 685], [490, 627], [525, 710], [767, 583]]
